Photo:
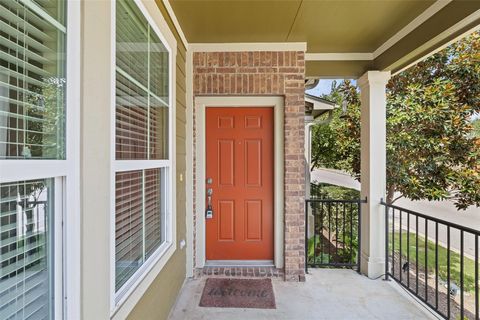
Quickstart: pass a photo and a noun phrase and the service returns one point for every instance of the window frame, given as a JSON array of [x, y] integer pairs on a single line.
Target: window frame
[[122, 301], [65, 173]]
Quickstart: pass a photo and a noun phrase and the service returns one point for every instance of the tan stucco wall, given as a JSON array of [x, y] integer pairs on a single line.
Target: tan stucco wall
[[160, 297], [96, 81]]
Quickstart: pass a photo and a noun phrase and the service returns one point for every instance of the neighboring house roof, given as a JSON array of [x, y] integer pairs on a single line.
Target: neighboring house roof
[[316, 106]]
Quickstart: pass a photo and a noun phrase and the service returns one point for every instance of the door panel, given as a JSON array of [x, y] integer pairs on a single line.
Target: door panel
[[253, 216], [253, 163], [226, 216], [226, 162], [239, 155]]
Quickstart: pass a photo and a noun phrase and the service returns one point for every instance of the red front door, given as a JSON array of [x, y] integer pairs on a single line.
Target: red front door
[[239, 154]]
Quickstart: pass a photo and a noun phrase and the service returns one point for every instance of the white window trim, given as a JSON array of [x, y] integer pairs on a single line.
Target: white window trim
[[122, 302], [65, 173], [58, 237], [72, 221], [16, 170], [129, 165]]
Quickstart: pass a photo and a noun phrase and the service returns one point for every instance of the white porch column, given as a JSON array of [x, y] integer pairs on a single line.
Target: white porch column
[[373, 171]]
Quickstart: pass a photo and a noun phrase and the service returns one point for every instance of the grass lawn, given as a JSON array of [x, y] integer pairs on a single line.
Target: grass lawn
[[469, 264]]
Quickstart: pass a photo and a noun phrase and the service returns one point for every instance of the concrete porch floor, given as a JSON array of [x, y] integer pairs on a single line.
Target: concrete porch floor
[[326, 294]]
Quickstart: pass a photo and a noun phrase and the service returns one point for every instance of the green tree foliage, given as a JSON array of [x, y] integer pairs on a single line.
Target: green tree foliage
[[432, 152], [47, 138]]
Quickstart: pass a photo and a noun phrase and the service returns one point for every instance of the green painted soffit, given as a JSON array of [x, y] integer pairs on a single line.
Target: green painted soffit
[[235, 21], [431, 35], [327, 26], [352, 26]]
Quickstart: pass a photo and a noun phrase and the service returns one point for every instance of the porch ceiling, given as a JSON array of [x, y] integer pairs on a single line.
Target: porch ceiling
[[361, 25], [328, 26]]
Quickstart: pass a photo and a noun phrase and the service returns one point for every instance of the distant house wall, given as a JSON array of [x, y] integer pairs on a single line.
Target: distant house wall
[[266, 73]]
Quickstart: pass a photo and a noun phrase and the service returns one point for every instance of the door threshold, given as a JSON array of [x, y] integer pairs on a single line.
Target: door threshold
[[239, 263]]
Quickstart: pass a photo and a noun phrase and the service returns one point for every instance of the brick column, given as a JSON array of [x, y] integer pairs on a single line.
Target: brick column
[[294, 178]]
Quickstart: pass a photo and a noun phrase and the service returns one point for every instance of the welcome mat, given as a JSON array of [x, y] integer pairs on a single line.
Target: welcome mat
[[238, 293]]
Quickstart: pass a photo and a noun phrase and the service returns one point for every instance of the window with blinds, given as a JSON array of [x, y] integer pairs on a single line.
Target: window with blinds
[[32, 126], [32, 80], [142, 120], [128, 224], [26, 250], [140, 209], [141, 87]]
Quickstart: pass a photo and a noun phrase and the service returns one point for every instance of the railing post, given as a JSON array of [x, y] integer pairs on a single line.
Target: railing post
[[359, 232], [386, 240], [306, 236], [477, 307]]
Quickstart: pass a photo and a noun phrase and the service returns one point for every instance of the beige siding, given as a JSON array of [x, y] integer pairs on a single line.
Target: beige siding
[[95, 159], [160, 297]]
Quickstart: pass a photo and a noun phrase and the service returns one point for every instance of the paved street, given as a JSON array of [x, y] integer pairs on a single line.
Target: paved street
[[444, 210], [335, 177]]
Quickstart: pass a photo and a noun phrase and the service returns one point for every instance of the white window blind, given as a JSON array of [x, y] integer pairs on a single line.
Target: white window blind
[[141, 88], [26, 250], [142, 140], [140, 219], [32, 81], [129, 211], [32, 126]]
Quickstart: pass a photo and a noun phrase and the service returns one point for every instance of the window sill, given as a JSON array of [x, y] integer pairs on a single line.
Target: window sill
[[129, 295]]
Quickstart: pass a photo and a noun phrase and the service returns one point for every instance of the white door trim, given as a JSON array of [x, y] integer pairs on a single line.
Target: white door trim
[[277, 103]]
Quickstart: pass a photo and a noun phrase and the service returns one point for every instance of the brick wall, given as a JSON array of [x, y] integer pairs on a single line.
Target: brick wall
[[268, 73]]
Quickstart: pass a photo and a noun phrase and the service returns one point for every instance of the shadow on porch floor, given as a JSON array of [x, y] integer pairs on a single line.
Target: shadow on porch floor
[[326, 294]]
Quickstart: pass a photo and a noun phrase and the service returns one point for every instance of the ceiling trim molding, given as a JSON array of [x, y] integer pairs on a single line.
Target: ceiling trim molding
[[248, 46], [347, 56], [172, 15], [414, 24], [453, 29]]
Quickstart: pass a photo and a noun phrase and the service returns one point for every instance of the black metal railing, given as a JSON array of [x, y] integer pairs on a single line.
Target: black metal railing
[[435, 260], [333, 232]]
